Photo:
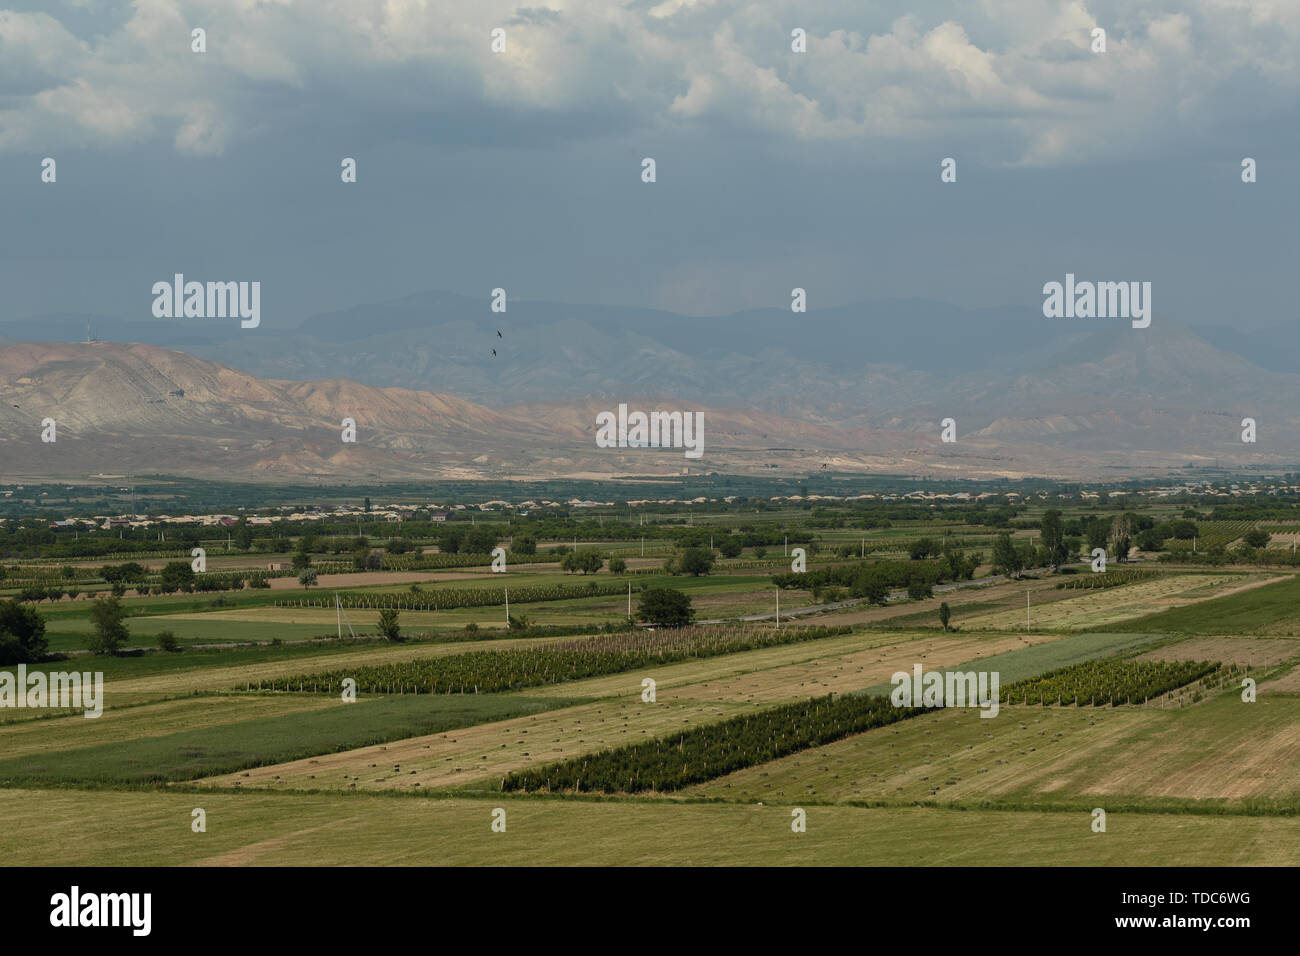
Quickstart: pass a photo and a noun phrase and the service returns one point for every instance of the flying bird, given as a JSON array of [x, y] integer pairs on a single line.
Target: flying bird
[[494, 351], [498, 333]]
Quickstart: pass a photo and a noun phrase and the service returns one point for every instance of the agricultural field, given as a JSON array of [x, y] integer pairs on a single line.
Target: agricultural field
[[1125, 607], [399, 702], [1271, 610]]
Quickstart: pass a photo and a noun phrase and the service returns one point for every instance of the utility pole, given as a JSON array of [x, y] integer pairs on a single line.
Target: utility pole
[[507, 590], [778, 607], [629, 599]]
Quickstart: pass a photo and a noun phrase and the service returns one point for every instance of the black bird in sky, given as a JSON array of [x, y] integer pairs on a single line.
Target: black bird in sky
[[494, 351], [499, 333]]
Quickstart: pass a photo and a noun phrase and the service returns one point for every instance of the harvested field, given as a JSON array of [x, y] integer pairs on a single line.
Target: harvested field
[[1248, 651], [1101, 608], [1222, 749]]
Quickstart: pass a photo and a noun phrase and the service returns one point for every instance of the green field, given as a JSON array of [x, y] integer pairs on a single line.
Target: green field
[[227, 747], [146, 829], [1271, 609], [288, 776]]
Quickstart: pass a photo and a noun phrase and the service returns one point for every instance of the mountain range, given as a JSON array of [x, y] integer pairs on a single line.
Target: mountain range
[[856, 389]]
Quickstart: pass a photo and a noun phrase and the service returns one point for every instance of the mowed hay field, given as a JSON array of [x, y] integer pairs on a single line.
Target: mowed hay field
[[1254, 652], [134, 828], [1265, 611], [688, 694], [121, 688], [1104, 607], [1220, 750], [298, 776]]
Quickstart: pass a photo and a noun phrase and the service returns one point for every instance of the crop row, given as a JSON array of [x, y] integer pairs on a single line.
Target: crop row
[[704, 753], [1108, 579], [491, 671], [451, 598], [437, 560], [1110, 680], [1211, 534]]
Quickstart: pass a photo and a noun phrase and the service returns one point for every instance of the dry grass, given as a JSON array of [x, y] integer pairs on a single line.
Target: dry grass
[[1248, 651]]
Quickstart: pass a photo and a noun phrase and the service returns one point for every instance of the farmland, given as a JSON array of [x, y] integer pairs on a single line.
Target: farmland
[[575, 707]]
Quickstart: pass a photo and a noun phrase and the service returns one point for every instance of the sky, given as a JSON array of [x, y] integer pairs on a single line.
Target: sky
[[774, 169]]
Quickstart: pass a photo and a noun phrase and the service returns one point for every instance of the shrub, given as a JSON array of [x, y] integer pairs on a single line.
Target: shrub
[[919, 590], [666, 607], [586, 560], [22, 634], [696, 561], [109, 630], [388, 625], [167, 641]]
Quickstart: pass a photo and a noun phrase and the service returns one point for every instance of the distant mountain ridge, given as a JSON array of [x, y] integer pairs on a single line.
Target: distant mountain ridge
[[859, 388]]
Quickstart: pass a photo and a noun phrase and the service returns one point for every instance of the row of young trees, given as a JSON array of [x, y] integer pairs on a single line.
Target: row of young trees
[[875, 580], [494, 671], [665, 764]]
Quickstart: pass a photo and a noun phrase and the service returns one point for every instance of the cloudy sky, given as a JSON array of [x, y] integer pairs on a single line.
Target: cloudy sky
[[775, 169]]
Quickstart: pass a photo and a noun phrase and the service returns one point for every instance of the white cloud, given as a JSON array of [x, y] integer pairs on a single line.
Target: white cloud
[[1009, 81]]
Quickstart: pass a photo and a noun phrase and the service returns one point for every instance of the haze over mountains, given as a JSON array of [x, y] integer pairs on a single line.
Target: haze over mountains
[[860, 388]]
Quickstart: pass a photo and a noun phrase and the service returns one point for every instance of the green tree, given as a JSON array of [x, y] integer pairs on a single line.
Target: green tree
[[1054, 547], [22, 634], [108, 626], [617, 565], [922, 548], [176, 576], [1256, 538], [919, 590], [945, 614], [524, 544], [1121, 537], [307, 577], [388, 625], [1150, 540], [730, 547], [1006, 559], [696, 561], [167, 641], [666, 607], [480, 539], [868, 583], [243, 535], [585, 560]]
